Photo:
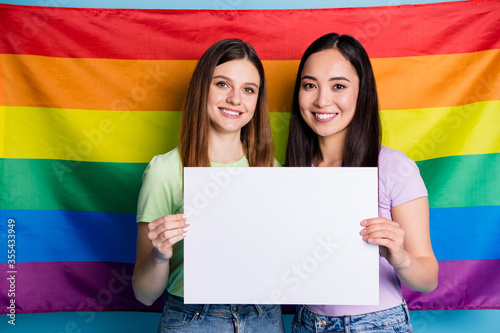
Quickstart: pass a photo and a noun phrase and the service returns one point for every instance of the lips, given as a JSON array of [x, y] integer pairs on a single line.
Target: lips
[[324, 117], [230, 113]]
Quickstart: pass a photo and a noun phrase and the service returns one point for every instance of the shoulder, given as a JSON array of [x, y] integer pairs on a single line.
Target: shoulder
[[394, 161], [399, 177], [172, 158], [387, 154], [168, 163]]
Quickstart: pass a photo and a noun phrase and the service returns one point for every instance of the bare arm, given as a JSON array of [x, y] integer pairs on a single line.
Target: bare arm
[[406, 244], [155, 243]]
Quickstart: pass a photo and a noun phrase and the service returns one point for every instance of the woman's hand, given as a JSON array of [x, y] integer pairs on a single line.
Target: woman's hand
[[406, 244], [155, 243], [165, 231], [390, 235]]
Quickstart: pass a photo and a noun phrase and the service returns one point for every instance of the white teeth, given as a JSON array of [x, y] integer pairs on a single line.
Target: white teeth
[[325, 115], [232, 113]]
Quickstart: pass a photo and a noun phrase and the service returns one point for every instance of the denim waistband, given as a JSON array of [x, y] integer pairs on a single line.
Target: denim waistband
[[221, 309], [366, 321]]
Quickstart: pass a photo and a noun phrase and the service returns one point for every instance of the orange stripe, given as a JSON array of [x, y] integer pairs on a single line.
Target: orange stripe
[[109, 84], [2, 112], [280, 76], [97, 84], [2, 91], [438, 80]]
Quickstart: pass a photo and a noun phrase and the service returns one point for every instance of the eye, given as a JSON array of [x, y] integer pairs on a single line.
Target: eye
[[249, 90], [222, 84], [309, 86], [338, 86]]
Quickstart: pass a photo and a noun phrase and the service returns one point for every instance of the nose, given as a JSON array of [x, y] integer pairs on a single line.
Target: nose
[[234, 97], [323, 98]]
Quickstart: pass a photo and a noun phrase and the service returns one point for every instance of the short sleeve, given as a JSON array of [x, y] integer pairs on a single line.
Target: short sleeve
[[401, 178], [161, 185]]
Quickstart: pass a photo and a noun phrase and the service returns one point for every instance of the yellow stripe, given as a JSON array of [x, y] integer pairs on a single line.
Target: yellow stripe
[[156, 85], [125, 136], [89, 135], [103, 136], [448, 131], [2, 129]]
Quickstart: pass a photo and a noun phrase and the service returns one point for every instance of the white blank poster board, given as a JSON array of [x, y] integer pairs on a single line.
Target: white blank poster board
[[280, 236]]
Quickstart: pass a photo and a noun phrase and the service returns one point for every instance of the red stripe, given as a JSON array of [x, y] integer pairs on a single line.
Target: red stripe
[[394, 31], [98, 286], [462, 285]]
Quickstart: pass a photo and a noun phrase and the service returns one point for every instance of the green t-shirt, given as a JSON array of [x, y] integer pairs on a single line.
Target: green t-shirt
[[161, 194]]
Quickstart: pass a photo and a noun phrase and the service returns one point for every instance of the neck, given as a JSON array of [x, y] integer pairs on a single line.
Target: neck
[[331, 151], [225, 147]]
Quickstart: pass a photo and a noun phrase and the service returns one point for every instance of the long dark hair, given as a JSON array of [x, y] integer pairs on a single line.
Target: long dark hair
[[255, 136], [363, 138]]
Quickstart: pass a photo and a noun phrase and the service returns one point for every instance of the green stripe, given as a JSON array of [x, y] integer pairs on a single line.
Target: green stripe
[[280, 126], [456, 181], [462, 181], [71, 185]]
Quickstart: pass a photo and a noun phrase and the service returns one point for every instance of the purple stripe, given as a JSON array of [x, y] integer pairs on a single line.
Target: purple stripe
[[72, 286], [105, 286], [464, 285]]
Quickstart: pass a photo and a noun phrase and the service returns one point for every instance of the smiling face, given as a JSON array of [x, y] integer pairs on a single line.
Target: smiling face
[[328, 93], [233, 95]]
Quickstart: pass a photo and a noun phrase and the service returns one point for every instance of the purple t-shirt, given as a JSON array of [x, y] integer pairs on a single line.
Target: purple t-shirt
[[399, 182]]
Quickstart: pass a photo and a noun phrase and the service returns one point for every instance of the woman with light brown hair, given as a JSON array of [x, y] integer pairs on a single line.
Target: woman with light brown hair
[[225, 122]]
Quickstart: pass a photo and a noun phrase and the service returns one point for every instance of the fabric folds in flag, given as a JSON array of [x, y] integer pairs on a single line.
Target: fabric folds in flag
[[89, 96]]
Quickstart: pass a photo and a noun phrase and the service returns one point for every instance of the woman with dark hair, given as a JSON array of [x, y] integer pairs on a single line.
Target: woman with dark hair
[[225, 122], [335, 123]]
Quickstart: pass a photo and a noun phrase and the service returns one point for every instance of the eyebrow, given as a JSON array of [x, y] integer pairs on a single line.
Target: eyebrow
[[336, 78], [229, 79]]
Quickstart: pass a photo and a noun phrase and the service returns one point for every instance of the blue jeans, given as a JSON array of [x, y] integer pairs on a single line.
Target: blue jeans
[[395, 319], [178, 317]]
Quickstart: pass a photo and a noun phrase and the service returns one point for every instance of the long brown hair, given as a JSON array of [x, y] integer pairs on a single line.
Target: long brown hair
[[256, 136], [363, 138]]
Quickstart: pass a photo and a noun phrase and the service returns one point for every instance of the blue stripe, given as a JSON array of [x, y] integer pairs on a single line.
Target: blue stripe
[[470, 233], [56, 236], [437, 321], [466, 233], [218, 4]]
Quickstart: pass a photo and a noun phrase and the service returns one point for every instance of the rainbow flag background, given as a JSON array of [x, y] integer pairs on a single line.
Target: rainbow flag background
[[88, 96]]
